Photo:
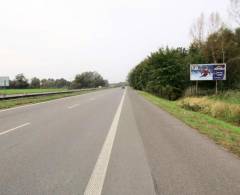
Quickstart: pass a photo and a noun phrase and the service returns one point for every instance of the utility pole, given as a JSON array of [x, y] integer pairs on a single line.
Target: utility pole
[[216, 83]]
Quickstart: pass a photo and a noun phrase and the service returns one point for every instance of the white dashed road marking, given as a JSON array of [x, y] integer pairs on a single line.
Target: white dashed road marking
[[13, 129], [73, 106]]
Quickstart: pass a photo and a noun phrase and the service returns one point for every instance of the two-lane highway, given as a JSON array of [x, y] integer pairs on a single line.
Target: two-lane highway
[[108, 142], [56, 152]]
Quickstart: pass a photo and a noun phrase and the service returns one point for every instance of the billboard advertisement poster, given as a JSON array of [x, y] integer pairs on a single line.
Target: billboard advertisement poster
[[207, 72]]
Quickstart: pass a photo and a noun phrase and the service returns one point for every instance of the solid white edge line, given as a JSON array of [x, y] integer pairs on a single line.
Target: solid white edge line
[[15, 128], [96, 181]]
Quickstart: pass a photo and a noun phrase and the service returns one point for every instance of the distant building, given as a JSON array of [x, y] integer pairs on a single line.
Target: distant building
[[4, 81]]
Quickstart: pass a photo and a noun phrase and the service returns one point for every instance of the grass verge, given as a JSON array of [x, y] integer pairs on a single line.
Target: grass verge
[[4, 104], [27, 91], [218, 109], [221, 132]]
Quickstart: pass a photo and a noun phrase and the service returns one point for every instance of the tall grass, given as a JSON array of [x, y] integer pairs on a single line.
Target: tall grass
[[230, 96], [219, 109]]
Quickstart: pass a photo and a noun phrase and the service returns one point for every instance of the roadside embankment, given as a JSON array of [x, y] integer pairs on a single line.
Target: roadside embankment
[[222, 132]]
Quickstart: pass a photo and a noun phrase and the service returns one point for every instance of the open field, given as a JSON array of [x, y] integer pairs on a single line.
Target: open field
[[4, 104], [27, 91], [223, 133]]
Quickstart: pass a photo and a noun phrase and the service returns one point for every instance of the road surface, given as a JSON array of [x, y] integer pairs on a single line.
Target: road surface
[[110, 142]]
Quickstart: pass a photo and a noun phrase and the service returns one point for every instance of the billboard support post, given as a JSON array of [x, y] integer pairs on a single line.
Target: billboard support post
[[216, 90], [196, 87]]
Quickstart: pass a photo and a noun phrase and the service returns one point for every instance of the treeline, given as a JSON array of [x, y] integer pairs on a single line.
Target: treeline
[[166, 72], [84, 80]]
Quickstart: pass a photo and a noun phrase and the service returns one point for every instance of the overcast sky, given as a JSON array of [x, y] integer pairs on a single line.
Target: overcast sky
[[60, 38]]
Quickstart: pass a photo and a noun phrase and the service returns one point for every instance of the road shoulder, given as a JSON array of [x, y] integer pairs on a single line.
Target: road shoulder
[[128, 171]]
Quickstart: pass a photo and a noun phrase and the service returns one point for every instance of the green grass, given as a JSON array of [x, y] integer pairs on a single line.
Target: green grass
[[27, 91], [221, 132], [4, 104], [230, 96]]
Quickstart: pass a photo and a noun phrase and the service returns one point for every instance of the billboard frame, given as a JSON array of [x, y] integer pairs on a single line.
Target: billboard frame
[[212, 64], [216, 80]]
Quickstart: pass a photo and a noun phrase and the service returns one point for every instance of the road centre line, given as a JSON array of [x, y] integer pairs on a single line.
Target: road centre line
[[15, 128], [76, 105], [96, 181]]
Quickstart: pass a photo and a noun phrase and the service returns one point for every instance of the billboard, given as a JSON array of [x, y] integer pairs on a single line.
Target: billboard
[[4, 81], [207, 72]]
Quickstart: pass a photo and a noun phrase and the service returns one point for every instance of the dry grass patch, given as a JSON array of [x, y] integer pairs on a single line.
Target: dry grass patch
[[218, 109]]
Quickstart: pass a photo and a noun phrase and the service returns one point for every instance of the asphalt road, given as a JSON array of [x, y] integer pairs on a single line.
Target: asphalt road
[[110, 142]]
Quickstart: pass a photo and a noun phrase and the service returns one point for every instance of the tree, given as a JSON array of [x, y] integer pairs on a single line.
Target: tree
[[35, 82], [62, 83], [197, 31], [89, 80], [43, 83], [234, 10], [106, 83], [215, 23], [48, 83], [166, 72], [163, 73], [21, 81]]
